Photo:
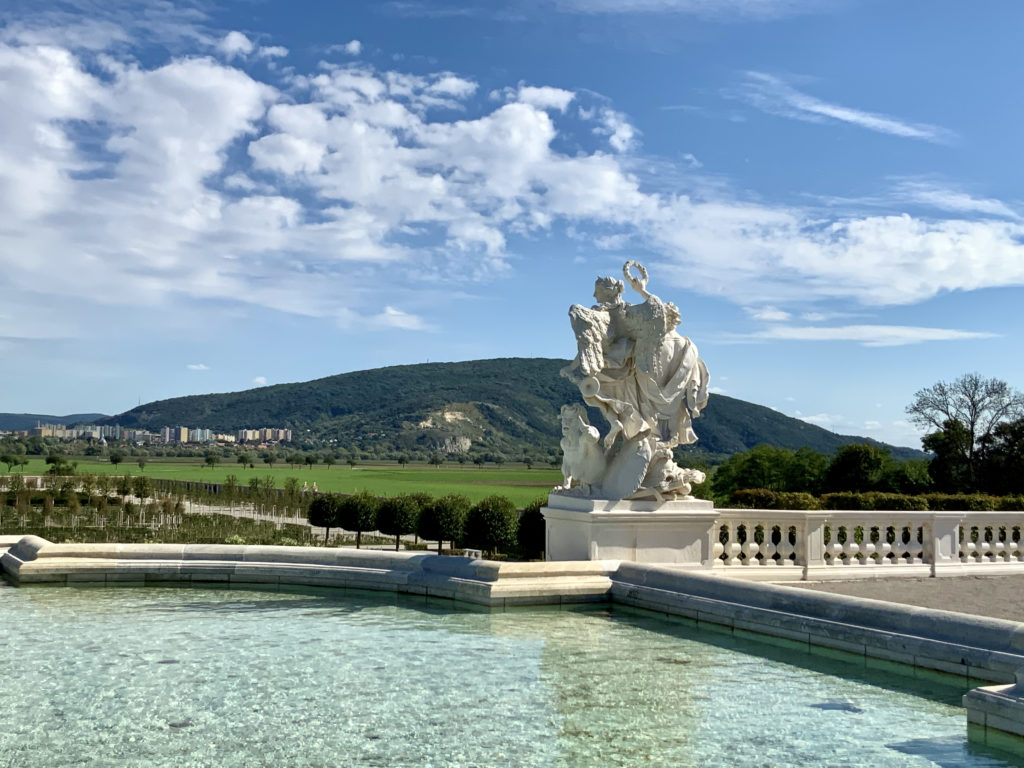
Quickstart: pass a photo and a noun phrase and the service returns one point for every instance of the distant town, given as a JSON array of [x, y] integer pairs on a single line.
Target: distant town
[[166, 436]]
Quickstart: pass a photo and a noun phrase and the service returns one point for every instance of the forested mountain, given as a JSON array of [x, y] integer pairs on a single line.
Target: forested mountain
[[508, 406], [21, 421]]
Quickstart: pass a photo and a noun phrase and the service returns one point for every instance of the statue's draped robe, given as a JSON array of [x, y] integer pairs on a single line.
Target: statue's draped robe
[[644, 377]]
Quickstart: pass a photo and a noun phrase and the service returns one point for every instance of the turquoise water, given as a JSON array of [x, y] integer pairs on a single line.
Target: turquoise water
[[200, 677]]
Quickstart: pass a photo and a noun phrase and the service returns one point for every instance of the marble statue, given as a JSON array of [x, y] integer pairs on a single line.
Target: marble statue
[[649, 384]]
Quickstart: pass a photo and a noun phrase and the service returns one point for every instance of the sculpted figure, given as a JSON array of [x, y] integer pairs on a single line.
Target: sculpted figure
[[583, 461], [646, 380]]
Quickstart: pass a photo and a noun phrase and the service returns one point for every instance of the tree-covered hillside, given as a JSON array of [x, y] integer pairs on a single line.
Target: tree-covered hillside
[[508, 406], [21, 421]]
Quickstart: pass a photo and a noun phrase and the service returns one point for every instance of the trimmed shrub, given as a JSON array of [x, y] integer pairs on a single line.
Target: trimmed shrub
[[796, 500], [491, 525], [443, 519], [531, 535], [754, 498], [358, 513], [1011, 503], [854, 501], [895, 502], [961, 502], [397, 517], [762, 498], [324, 513]]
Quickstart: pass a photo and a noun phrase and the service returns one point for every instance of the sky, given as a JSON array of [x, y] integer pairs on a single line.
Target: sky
[[206, 197]]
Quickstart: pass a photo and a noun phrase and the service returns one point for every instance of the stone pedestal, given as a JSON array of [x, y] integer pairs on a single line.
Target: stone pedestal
[[671, 532]]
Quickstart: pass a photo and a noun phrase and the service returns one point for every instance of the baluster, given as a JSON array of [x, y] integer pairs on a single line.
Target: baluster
[[850, 546], [967, 546], [986, 548], [917, 539], [734, 548], [868, 546], [787, 544], [752, 548], [999, 544], [773, 548], [718, 548], [842, 536]]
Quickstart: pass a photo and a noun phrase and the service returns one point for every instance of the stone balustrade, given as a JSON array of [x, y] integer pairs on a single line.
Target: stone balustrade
[[779, 545]]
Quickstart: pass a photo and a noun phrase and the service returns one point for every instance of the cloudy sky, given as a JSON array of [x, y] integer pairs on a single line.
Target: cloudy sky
[[210, 197]]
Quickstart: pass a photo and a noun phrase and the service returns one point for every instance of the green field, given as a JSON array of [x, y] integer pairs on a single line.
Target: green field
[[519, 484]]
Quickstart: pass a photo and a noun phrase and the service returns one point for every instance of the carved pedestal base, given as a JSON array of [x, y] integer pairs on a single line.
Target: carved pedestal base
[[672, 532]]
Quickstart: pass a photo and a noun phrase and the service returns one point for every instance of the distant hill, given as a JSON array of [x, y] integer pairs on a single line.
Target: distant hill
[[508, 405], [22, 421]]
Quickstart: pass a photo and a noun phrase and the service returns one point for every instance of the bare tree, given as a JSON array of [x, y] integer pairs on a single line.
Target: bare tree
[[979, 405]]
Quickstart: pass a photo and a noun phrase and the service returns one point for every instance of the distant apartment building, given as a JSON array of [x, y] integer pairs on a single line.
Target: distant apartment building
[[58, 431], [200, 435], [140, 436], [220, 437], [264, 435], [62, 432]]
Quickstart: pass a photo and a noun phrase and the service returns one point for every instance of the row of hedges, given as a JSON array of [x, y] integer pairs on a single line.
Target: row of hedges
[[493, 525], [762, 498]]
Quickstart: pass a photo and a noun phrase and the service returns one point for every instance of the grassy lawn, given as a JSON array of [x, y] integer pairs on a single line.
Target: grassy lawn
[[519, 484]]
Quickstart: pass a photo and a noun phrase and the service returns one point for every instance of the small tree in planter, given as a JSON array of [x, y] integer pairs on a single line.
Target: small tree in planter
[[443, 519], [491, 525], [397, 517]]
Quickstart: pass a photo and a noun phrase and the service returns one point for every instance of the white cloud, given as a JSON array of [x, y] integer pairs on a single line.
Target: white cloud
[[869, 335], [198, 367], [772, 94], [831, 421], [396, 318], [545, 97], [235, 44], [717, 10], [622, 136], [949, 199], [352, 48], [212, 185], [768, 314], [260, 381], [448, 84], [272, 52]]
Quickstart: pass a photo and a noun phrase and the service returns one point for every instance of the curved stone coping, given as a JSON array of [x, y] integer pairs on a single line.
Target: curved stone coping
[[35, 560], [971, 647]]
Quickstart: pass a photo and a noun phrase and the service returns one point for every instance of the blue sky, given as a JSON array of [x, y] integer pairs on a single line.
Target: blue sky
[[208, 197]]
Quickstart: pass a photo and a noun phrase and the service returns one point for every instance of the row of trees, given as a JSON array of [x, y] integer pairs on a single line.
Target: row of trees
[[492, 525], [293, 454], [858, 468], [976, 437]]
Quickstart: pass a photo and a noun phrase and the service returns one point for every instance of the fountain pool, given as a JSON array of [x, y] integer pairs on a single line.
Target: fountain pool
[[212, 677]]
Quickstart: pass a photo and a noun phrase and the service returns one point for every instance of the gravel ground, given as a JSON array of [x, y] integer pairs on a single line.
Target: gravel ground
[[999, 597]]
